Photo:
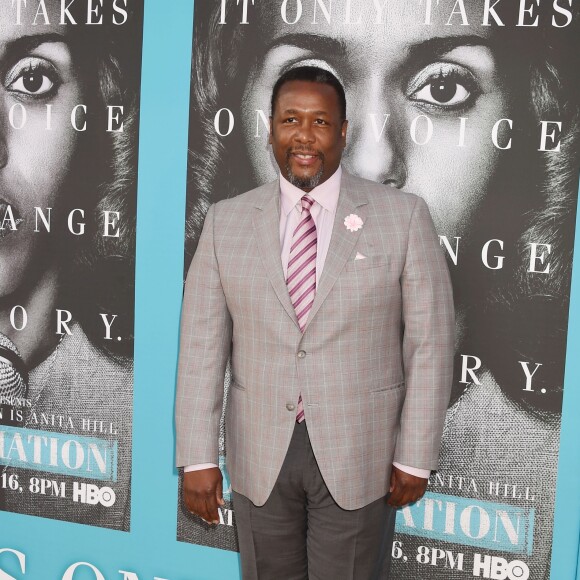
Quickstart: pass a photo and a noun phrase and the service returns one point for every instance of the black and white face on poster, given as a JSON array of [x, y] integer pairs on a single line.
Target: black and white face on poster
[[473, 106], [69, 81]]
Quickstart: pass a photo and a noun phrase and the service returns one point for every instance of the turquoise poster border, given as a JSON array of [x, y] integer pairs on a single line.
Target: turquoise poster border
[[150, 550], [566, 544]]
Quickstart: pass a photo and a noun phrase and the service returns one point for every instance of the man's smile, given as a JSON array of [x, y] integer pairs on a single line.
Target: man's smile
[[306, 158]]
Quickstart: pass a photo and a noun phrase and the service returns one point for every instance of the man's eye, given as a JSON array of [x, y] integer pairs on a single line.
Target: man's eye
[[290, 120], [320, 122], [32, 82]]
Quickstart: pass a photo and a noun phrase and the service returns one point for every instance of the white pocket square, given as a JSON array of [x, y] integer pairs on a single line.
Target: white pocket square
[[359, 256]]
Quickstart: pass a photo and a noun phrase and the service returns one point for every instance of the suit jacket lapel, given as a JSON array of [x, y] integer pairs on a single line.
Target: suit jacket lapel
[[342, 241], [267, 227]]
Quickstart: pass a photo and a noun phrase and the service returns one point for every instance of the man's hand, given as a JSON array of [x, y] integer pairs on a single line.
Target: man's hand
[[405, 488], [202, 493]]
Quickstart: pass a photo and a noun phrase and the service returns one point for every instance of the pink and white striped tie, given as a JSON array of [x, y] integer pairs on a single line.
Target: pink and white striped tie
[[301, 274]]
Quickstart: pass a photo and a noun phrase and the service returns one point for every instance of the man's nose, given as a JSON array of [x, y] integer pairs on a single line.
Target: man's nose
[[304, 132]]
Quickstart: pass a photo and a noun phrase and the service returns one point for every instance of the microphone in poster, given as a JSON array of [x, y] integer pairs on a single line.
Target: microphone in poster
[[13, 374]]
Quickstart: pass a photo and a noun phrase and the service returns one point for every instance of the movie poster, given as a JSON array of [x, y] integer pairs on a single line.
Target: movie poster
[[472, 105], [70, 75]]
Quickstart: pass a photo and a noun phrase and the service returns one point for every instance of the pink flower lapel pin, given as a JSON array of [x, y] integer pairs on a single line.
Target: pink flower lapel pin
[[353, 222]]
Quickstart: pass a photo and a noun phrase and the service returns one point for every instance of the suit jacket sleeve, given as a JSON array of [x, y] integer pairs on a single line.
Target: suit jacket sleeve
[[428, 343], [205, 346]]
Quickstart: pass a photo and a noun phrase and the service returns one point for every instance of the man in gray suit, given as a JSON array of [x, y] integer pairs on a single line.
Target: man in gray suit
[[332, 297]]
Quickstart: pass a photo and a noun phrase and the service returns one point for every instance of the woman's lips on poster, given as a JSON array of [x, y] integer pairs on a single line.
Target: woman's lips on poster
[[6, 215]]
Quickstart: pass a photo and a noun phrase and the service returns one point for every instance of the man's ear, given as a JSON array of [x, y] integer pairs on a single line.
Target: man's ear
[[270, 131], [343, 130]]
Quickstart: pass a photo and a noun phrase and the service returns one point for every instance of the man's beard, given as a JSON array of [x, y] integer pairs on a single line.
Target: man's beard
[[304, 182]]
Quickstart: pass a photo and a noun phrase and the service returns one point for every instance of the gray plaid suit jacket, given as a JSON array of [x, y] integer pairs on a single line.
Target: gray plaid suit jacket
[[374, 364]]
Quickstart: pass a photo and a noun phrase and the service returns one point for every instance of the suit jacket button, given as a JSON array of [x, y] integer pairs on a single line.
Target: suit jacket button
[[301, 353], [290, 406]]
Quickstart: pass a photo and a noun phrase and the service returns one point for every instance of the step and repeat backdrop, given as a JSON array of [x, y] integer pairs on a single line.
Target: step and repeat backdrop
[[471, 104]]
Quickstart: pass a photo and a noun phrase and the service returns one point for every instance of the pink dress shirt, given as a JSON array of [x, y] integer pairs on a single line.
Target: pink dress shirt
[[323, 211]]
